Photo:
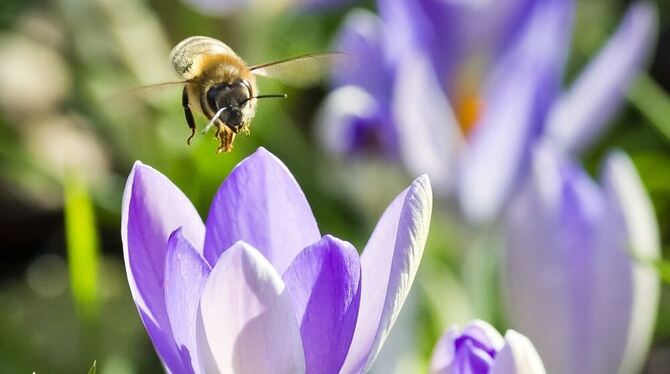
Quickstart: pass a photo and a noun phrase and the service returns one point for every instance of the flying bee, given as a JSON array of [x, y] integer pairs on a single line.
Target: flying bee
[[219, 84]]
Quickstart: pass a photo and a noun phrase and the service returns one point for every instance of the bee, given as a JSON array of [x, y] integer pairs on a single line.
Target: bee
[[220, 85]]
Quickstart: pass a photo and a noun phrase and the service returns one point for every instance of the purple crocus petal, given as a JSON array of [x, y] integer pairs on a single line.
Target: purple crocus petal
[[550, 237], [628, 201], [517, 99], [585, 110], [388, 266], [246, 323], [350, 122], [362, 38], [185, 275], [153, 207], [261, 203], [450, 355], [429, 133], [517, 356], [324, 282], [452, 31]]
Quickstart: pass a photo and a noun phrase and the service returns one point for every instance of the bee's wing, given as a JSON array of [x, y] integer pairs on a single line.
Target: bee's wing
[[302, 70], [143, 90]]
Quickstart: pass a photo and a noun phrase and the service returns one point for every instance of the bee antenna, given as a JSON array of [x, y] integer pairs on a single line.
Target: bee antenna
[[216, 116], [283, 96]]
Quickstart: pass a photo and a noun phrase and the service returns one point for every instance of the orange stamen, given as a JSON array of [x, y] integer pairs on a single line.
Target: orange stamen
[[468, 111]]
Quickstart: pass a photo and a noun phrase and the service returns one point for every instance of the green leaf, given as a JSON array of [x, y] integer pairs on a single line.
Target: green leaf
[[664, 270], [82, 247], [92, 370], [650, 99]]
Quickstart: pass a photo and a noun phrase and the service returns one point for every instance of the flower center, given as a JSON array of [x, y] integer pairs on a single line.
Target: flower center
[[468, 110], [467, 101]]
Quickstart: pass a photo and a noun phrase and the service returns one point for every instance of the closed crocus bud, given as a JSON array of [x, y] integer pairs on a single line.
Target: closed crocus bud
[[578, 279], [479, 349]]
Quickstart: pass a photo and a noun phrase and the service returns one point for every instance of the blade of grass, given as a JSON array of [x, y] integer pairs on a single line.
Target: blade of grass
[[93, 369], [650, 99], [82, 247]]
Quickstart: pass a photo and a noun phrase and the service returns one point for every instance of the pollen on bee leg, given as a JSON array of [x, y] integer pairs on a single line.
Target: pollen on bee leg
[[225, 140]]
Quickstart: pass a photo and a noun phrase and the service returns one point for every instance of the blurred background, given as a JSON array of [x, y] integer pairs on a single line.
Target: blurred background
[[70, 132]]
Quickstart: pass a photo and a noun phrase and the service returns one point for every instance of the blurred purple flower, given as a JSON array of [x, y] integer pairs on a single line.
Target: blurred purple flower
[[576, 278], [256, 288], [479, 349], [461, 90]]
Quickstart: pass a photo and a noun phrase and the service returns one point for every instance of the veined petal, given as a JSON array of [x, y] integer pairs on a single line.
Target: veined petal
[[518, 356], [628, 201], [246, 323], [153, 207], [324, 282], [585, 110], [428, 134], [185, 275], [516, 101], [261, 204], [388, 266]]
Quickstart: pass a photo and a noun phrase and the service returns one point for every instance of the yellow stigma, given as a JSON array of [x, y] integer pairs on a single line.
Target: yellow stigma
[[468, 110]]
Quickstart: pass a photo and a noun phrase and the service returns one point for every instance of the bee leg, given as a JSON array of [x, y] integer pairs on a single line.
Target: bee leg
[[226, 138], [188, 114], [247, 127]]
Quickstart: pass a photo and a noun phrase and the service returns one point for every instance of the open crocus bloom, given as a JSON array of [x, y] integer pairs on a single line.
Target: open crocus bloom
[[479, 349], [462, 90], [256, 289], [577, 276]]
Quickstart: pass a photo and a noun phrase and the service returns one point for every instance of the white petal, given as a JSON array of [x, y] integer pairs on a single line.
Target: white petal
[[246, 323], [622, 181], [429, 137], [388, 267], [518, 356]]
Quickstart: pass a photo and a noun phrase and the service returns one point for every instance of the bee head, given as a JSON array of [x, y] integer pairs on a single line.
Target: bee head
[[233, 96]]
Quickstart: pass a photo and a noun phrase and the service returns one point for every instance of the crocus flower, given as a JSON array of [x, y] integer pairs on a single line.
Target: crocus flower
[[577, 278], [479, 349], [462, 90], [256, 288]]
